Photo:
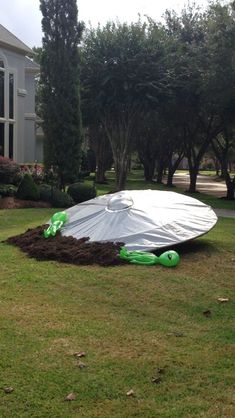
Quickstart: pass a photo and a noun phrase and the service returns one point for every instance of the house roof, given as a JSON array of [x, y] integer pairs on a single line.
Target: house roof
[[31, 66], [8, 40]]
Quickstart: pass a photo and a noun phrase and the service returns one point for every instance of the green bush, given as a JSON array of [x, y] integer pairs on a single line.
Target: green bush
[[61, 199], [82, 175], [45, 191], [7, 190], [81, 192], [9, 171], [27, 189], [53, 195]]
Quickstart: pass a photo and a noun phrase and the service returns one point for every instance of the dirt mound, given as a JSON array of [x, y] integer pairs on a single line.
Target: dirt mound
[[13, 203], [66, 249]]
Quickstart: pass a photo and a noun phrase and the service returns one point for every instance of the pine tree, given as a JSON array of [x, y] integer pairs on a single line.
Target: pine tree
[[60, 88]]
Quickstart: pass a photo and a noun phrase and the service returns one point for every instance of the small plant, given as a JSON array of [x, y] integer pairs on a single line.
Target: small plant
[[81, 192], [7, 190], [9, 171], [27, 189]]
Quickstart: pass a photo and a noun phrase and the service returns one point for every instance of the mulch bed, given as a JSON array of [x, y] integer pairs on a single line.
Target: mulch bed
[[66, 249], [13, 203]]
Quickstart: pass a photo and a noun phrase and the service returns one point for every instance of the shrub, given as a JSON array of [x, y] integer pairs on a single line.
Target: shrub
[[61, 199], [50, 177], [9, 171], [81, 176], [45, 191], [37, 173], [81, 192], [27, 189], [53, 195], [7, 190], [35, 170]]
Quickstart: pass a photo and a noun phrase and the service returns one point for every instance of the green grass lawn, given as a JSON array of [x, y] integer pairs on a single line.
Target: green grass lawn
[[135, 323], [213, 173]]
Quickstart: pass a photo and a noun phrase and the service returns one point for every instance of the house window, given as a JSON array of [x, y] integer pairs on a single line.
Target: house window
[[7, 109], [11, 136], [11, 96], [2, 139], [2, 93]]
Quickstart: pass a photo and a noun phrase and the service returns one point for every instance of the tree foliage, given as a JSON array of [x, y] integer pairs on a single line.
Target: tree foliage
[[221, 44], [164, 90], [60, 90], [122, 75]]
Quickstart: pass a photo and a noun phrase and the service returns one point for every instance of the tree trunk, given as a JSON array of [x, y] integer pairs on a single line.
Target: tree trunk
[[121, 170], [195, 153], [224, 171], [230, 183], [193, 172], [172, 167], [170, 176], [61, 182], [149, 170], [122, 180], [120, 135], [194, 163], [221, 151], [160, 172], [100, 173], [217, 167]]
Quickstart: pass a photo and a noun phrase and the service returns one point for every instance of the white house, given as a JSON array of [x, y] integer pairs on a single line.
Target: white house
[[17, 100]]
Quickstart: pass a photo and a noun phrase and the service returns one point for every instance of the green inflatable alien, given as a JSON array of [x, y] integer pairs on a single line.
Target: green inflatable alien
[[57, 221], [168, 258]]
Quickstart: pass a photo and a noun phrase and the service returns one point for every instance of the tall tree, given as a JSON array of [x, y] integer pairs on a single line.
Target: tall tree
[[38, 101], [60, 90], [189, 60], [147, 144], [123, 71], [100, 145], [221, 46]]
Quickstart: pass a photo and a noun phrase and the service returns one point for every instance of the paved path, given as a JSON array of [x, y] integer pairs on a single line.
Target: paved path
[[205, 184], [208, 185]]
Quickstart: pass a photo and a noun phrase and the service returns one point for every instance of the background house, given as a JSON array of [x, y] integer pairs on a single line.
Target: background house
[[17, 100]]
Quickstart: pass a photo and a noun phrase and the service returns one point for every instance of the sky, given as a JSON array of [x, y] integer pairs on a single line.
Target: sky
[[23, 17]]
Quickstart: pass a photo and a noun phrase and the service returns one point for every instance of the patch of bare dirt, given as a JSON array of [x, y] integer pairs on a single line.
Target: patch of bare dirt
[[66, 249], [13, 203]]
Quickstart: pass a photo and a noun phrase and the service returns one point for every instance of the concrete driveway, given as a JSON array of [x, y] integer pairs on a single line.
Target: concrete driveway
[[205, 184], [208, 185]]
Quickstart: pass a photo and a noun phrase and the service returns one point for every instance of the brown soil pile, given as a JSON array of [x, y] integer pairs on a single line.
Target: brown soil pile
[[13, 203], [66, 249]]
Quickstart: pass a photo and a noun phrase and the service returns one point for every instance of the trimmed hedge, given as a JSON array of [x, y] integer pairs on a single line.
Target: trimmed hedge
[[45, 191], [80, 192], [27, 189], [55, 196], [61, 199]]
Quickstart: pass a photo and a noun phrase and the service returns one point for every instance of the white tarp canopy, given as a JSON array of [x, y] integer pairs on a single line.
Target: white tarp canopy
[[142, 219]]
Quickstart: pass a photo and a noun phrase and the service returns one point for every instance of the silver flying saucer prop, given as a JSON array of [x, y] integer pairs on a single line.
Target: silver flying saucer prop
[[141, 219]]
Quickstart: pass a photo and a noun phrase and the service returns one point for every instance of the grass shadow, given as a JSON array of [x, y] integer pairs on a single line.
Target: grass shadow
[[191, 247]]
